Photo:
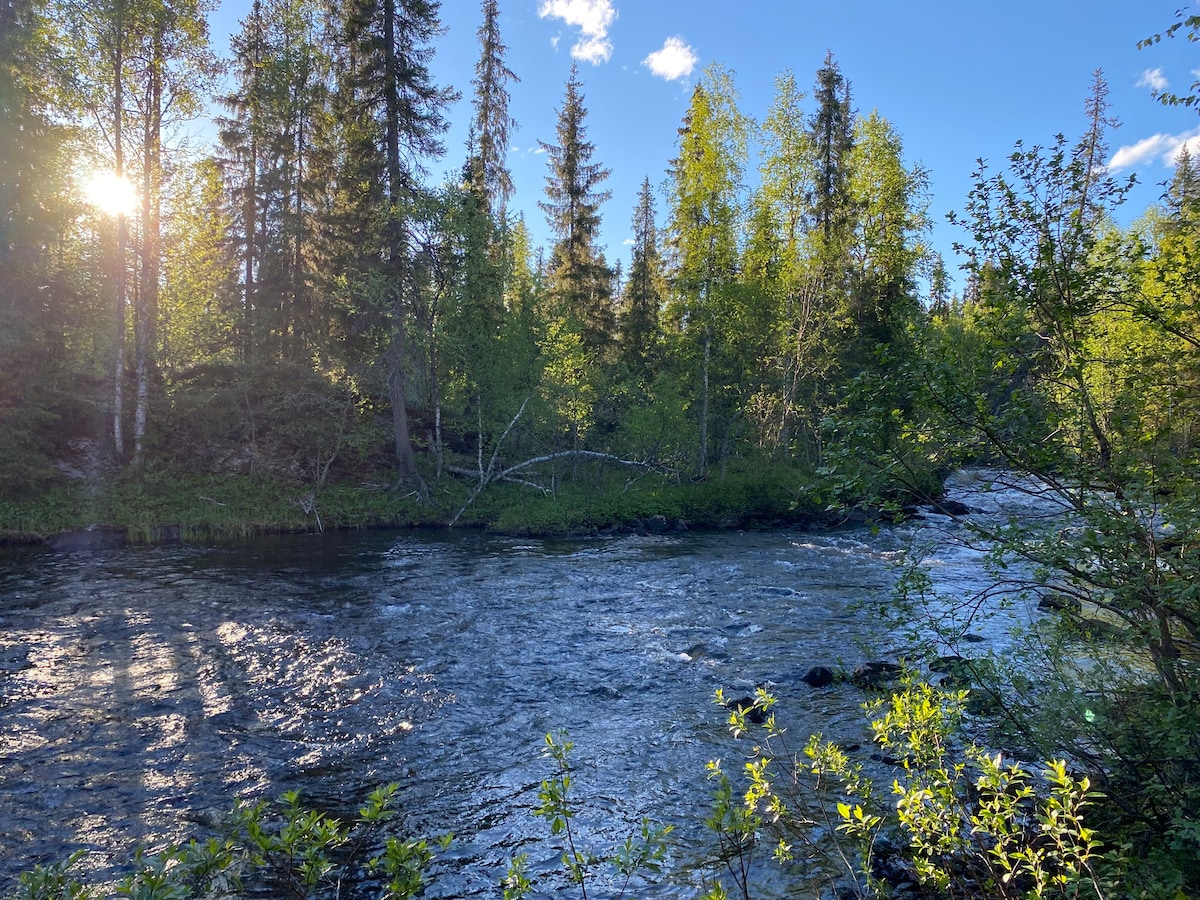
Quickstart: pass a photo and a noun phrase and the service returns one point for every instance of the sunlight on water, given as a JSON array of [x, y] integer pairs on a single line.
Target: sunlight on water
[[141, 689]]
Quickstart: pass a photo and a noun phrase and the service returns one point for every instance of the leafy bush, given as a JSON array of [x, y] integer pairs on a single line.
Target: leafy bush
[[284, 848], [965, 824]]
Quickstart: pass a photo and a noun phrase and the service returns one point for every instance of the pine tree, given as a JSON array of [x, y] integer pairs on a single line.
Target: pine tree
[[1092, 149], [1183, 193], [243, 137], [579, 280], [271, 150]]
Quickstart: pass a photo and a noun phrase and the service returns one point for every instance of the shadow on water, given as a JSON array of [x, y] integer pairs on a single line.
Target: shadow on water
[[142, 691]]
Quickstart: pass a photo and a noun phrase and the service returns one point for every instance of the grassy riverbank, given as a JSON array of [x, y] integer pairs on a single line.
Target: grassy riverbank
[[169, 504]]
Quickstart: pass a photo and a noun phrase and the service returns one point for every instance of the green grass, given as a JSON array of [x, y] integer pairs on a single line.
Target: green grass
[[208, 507]]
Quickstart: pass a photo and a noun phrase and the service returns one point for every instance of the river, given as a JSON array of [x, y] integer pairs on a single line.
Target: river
[[142, 690]]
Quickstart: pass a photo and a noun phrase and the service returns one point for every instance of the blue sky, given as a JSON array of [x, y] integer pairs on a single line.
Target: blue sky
[[957, 80]]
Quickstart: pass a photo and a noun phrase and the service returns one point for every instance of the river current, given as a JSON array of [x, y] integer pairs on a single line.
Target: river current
[[142, 690]]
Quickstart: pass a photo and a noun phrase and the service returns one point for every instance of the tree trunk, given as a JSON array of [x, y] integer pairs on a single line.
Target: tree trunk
[[122, 232], [397, 253], [147, 307], [704, 372], [406, 462]]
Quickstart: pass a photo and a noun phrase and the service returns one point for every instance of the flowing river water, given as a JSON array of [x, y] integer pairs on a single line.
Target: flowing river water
[[142, 690]]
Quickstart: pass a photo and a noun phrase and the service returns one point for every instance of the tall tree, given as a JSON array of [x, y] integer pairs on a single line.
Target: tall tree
[[1092, 148], [802, 354], [386, 46], [278, 106], [492, 124], [200, 272], [103, 34], [831, 132], [891, 199], [172, 71], [1183, 193], [243, 135], [579, 279], [645, 288], [706, 181], [39, 302]]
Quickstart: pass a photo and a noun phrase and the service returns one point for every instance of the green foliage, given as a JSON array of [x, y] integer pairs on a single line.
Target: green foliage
[[965, 824], [636, 857], [1080, 356], [283, 847], [990, 830], [516, 883], [801, 802], [52, 882]]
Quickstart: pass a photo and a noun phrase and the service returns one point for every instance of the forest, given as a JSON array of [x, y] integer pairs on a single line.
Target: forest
[[297, 328], [298, 304]]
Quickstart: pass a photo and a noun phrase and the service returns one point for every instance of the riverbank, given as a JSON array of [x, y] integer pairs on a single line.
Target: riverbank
[[162, 506]]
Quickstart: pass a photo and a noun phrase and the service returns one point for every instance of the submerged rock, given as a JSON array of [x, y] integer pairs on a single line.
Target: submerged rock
[[1060, 603], [94, 537], [818, 677], [876, 673], [951, 508]]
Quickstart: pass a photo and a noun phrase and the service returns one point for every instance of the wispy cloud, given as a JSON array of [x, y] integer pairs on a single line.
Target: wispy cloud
[[593, 18], [673, 61], [1153, 79], [1161, 147]]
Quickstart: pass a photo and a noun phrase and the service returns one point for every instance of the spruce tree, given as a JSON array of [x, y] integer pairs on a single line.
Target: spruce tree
[[271, 151], [643, 294], [579, 280], [831, 132], [492, 125], [394, 118]]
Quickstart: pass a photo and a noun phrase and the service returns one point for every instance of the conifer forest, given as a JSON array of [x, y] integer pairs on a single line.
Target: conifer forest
[[297, 326]]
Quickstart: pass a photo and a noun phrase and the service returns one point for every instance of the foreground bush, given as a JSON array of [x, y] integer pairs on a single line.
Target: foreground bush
[[965, 824]]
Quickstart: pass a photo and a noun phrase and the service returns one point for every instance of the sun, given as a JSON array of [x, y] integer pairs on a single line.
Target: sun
[[110, 193]]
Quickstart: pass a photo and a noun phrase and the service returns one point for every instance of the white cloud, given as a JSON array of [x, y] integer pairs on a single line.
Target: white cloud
[[673, 61], [1162, 147], [593, 50], [1153, 79], [593, 18]]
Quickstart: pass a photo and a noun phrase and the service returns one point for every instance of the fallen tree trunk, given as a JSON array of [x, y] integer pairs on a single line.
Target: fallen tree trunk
[[491, 476]]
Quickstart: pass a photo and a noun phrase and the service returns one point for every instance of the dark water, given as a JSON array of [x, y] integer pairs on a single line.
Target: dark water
[[141, 691]]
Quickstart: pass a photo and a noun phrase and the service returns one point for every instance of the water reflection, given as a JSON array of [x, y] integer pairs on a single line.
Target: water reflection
[[142, 691]]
